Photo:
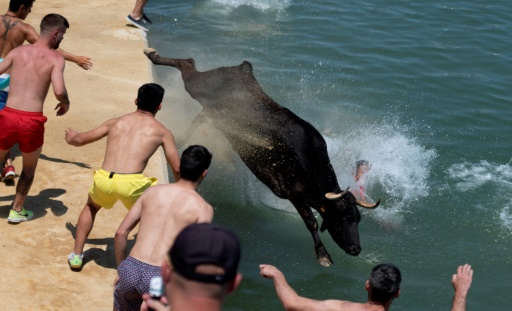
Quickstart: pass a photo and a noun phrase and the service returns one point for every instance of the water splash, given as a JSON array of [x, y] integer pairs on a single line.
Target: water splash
[[400, 165], [258, 4], [470, 176]]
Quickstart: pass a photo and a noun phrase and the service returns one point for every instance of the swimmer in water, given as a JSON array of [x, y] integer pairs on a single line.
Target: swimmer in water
[[362, 168]]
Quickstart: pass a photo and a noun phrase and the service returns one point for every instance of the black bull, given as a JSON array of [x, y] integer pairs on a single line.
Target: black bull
[[285, 152]]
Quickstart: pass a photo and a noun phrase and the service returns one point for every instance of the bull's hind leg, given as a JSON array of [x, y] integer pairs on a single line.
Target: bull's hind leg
[[322, 256]]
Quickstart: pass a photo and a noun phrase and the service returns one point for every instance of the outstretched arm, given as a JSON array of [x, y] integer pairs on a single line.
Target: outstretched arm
[[82, 61], [461, 283], [289, 298], [79, 139]]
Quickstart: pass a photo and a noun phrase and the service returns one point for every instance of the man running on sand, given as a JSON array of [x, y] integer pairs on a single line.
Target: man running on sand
[[33, 68], [131, 140], [163, 211], [13, 33]]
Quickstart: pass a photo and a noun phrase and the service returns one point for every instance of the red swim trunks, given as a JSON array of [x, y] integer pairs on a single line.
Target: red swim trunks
[[22, 127]]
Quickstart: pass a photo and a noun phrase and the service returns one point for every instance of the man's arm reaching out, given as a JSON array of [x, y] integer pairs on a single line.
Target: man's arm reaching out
[[461, 283], [79, 139], [31, 37], [289, 298]]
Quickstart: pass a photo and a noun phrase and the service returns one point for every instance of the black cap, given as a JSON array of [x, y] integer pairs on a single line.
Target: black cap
[[206, 243]]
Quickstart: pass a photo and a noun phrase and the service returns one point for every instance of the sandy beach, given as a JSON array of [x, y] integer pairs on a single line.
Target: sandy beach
[[36, 275]]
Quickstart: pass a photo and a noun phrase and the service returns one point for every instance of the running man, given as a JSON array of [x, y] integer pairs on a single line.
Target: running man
[[13, 33], [33, 68], [163, 211], [131, 140]]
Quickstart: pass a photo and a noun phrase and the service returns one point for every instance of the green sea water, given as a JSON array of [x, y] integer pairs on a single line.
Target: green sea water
[[420, 89]]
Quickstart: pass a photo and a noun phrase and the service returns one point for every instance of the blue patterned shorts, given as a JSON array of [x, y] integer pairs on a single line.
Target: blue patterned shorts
[[134, 279]]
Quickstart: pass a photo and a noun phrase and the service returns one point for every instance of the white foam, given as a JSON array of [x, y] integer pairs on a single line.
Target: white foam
[[469, 176], [258, 4]]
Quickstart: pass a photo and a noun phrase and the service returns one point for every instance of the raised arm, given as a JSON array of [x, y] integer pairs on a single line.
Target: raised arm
[[79, 139], [461, 283], [171, 154]]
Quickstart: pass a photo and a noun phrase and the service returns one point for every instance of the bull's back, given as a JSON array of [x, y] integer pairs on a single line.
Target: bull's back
[[284, 151]]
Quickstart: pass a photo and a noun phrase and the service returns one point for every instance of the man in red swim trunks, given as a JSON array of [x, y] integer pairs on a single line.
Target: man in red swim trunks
[[33, 68]]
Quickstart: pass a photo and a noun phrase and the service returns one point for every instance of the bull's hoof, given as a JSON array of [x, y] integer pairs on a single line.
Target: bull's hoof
[[324, 261], [149, 51]]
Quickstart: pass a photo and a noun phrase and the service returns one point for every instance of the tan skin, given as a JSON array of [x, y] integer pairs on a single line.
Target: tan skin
[[131, 140], [14, 32], [33, 68], [292, 301], [138, 9], [461, 282], [161, 212]]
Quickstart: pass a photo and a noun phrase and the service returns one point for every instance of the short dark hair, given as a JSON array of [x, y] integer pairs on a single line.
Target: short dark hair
[[194, 161], [15, 5], [53, 21], [361, 163], [384, 282], [150, 96]]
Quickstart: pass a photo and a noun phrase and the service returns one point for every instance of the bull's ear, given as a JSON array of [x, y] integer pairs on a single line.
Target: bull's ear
[[323, 226]]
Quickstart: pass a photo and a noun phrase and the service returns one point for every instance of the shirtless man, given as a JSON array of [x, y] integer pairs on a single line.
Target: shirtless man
[[131, 140], [362, 168], [383, 286], [13, 33], [163, 211], [33, 68]]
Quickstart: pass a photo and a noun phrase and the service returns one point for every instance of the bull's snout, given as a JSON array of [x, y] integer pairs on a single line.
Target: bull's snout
[[353, 250]]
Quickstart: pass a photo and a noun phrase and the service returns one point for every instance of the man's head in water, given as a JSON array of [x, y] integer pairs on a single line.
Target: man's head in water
[[362, 167]]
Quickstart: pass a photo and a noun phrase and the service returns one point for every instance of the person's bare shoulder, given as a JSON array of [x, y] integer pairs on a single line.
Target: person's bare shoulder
[[344, 305]]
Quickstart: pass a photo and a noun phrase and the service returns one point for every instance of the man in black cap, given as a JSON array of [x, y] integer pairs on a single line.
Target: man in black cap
[[202, 269]]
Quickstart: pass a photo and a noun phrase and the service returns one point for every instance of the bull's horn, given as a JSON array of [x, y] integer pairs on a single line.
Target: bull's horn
[[334, 196], [367, 205]]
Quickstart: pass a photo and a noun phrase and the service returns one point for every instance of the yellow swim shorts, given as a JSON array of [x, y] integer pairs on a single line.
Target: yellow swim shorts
[[107, 189]]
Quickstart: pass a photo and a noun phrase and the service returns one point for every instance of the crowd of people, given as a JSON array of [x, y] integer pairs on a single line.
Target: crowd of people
[[176, 240]]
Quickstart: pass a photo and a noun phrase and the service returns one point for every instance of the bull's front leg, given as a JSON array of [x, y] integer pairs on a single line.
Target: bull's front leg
[[322, 256]]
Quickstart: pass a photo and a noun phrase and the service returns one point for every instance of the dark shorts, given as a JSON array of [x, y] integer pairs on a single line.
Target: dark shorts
[[134, 279], [22, 127]]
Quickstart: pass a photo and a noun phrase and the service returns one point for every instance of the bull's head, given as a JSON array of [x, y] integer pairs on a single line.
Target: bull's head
[[341, 218]]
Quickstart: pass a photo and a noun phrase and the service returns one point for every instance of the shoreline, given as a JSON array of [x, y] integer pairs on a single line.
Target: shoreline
[[36, 251]]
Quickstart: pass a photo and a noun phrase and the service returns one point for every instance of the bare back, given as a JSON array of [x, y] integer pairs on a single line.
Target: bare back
[[34, 67], [166, 210], [131, 140], [13, 33]]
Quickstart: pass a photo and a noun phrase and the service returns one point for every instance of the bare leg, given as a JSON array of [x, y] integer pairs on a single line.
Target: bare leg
[[84, 225], [138, 10], [26, 177]]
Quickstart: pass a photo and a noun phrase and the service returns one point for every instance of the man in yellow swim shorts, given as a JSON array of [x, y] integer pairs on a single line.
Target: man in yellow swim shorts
[[131, 140]]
